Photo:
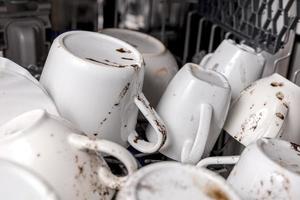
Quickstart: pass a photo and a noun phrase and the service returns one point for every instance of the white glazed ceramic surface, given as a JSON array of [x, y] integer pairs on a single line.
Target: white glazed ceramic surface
[[240, 64], [96, 82], [267, 108], [20, 92], [160, 65], [194, 107], [267, 169], [171, 180], [69, 161], [18, 183]]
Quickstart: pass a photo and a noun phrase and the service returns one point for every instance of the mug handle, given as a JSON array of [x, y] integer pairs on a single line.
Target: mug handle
[[192, 150], [218, 160], [155, 121], [205, 60], [104, 146]]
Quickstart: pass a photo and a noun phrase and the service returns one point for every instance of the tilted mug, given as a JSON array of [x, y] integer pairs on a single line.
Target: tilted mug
[[96, 83], [193, 107], [266, 108]]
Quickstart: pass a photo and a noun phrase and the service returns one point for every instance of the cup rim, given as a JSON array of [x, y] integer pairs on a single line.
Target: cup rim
[[265, 140], [152, 39], [133, 181], [294, 85], [241, 46], [60, 39], [42, 185], [221, 78], [27, 119], [39, 115]]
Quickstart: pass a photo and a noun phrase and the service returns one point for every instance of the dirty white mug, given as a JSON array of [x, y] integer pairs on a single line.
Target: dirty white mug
[[172, 180], [63, 156], [18, 182], [267, 169], [160, 65], [20, 92], [96, 83], [267, 108], [239, 63], [194, 108]]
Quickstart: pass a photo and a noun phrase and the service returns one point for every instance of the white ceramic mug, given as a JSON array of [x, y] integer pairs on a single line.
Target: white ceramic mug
[[267, 108], [160, 65], [267, 169], [171, 180], [17, 183], [239, 63], [20, 92], [96, 82], [63, 156], [194, 107]]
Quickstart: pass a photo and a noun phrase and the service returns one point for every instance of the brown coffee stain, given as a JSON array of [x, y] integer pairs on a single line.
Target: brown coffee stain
[[124, 91], [122, 50], [285, 104], [102, 122], [161, 72], [136, 139], [216, 193], [124, 58], [280, 116], [111, 64], [279, 95], [135, 66], [276, 84], [296, 147]]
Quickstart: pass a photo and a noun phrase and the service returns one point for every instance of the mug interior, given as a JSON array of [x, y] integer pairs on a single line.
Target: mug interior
[[144, 43], [175, 181], [209, 76], [284, 153], [100, 49], [21, 123]]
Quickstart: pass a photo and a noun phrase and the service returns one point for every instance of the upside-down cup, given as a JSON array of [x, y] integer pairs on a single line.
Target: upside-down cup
[[96, 82]]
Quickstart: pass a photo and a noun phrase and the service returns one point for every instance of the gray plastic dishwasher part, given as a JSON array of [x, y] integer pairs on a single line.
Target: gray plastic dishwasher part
[[25, 41]]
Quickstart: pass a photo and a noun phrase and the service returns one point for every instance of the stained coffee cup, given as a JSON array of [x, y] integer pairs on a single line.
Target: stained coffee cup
[[63, 156], [96, 83], [267, 108], [266, 169], [193, 107]]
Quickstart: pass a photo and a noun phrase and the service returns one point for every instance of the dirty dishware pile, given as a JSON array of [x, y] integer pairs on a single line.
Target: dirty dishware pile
[[77, 134]]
